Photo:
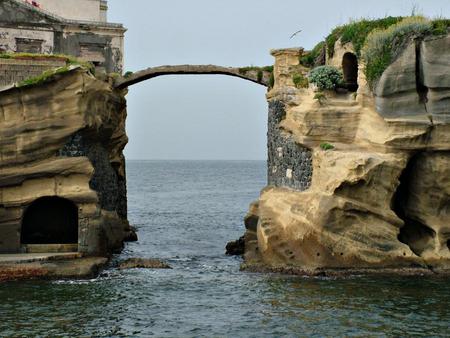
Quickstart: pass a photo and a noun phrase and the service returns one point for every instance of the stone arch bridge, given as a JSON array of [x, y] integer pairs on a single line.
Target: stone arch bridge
[[259, 75]]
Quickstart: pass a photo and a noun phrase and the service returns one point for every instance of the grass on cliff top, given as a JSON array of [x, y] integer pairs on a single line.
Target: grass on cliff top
[[356, 32], [70, 60], [382, 46], [379, 41], [44, 77], [440, 26], [244, 70]]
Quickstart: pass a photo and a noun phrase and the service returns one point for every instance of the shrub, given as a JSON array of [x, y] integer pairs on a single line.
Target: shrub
[[326, 77], [320, 97], [259, 75], [440, 26], [309, 59], [382, 46], [259, 71], [300, 81], [272, 80], [267, 68], [326, 146]]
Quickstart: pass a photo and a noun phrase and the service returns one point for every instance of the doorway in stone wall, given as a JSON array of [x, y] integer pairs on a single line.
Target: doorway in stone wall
[[350, 69], [50, 224]]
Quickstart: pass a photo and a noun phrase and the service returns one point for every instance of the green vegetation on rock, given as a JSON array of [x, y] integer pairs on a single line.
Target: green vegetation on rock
[[127, 74], [383, 45], [379, 41], [300, 81], [259, 71], [44, 77], [326, 146], [272, 80], [326, 77], [320, 97], [260, 75], [70, 60], [440, 26], [310, 58], [244, 70], [356, 32]]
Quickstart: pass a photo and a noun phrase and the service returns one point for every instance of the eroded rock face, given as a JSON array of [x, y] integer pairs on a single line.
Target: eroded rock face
[[380, 199], [143, 263], [65, 139], [416, 86]]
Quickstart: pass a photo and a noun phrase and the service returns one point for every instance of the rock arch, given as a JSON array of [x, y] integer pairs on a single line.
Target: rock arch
[[254, 74]]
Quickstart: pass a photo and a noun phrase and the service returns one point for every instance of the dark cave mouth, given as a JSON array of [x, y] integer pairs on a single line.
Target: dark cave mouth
[[414, 233], [50, 220]]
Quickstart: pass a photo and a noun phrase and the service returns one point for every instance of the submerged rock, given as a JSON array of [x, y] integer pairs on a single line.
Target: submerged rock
[[143, 263]]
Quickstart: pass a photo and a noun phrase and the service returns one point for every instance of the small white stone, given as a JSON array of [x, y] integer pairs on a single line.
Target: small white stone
[[289, 173], [280, 152]]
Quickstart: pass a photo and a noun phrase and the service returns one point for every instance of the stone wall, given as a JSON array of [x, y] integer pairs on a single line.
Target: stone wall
[[110, 187], [13, 71], [289, 163]]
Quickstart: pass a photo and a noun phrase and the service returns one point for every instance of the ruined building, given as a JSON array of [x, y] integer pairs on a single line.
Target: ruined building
[[72, 27]]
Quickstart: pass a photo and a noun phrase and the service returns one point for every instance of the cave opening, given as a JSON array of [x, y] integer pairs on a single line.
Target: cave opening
[[350, 70], [50, 220], [415, 234]]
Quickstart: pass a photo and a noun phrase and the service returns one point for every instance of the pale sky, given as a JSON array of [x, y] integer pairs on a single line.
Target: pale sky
[[212, 116]]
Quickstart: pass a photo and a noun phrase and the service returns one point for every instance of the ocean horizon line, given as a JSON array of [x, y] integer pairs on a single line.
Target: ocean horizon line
[[193, 160]]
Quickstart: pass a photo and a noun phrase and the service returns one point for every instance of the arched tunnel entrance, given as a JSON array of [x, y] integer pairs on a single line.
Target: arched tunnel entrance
[[350, 69], [50, 220]]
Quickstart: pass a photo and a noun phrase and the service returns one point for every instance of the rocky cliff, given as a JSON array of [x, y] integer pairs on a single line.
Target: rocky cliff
[[64, 138], [357, 180]]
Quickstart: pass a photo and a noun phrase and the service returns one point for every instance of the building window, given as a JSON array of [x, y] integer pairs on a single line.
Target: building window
[[29, 46], [93, 53]]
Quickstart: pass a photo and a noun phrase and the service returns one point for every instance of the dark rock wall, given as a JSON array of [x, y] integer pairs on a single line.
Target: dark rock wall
[[110, 187], [289, 164]]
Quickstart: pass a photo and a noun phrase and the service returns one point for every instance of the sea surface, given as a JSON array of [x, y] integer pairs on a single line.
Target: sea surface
[[185, 212]]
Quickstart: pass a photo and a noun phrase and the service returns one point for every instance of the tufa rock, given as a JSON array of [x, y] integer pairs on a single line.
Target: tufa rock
[[143, 263], [379, 200]]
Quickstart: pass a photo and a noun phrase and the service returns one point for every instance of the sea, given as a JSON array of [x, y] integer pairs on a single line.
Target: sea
[[185, 213]]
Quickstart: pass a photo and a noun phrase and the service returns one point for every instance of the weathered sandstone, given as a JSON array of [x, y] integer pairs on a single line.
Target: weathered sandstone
[[64, 139], [379, 200]]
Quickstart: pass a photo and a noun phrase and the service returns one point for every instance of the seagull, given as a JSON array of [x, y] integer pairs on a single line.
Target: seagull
[[297, 32]]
